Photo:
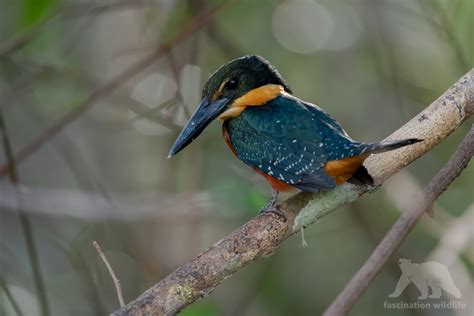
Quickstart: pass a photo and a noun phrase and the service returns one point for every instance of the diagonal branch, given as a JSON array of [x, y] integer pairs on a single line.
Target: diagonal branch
[[10, 298], [263, 234], [392, 240]]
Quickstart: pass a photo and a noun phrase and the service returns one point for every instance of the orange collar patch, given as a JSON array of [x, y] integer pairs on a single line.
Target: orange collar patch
[[255, 97]]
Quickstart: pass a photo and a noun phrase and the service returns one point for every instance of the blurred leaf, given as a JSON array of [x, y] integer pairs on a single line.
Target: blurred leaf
[[255, 200], [468, 264], [34, 11], [58, 95], [201, 309]]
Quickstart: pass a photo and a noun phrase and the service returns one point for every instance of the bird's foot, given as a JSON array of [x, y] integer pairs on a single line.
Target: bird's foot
[[271, 203], [272, 208], [275, 209]]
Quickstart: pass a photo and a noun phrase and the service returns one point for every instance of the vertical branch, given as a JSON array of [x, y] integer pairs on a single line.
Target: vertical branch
[[24, 221]]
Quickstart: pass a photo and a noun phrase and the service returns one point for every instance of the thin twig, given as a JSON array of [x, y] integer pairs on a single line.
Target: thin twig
[[394, 237], [197, 23], [89, 287], [178, 95], [96, 8], [17, 42], [118, 287], [263, 234], [24, 221], [154, 114], [11, 299]]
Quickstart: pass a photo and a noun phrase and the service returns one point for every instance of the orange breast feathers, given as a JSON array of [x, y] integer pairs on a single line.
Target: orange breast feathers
[[225, 134], [255, 97], [275, 183], [342, 170]]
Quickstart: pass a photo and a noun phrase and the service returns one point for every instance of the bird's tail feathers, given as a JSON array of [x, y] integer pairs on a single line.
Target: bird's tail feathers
[[381, 147]]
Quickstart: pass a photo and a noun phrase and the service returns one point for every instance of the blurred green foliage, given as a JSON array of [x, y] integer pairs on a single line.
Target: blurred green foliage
[[105, 177], [35, 11]]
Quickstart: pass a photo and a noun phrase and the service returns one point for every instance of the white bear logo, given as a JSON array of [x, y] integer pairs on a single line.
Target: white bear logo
[[423, 275]]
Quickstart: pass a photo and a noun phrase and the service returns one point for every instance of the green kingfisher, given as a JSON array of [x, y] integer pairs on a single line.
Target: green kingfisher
[[292, 143]]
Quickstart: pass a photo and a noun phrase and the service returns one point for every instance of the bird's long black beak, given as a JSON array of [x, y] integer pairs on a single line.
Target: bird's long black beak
[[205, 114]]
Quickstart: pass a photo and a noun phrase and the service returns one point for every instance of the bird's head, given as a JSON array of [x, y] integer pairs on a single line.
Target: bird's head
[[224, 87]]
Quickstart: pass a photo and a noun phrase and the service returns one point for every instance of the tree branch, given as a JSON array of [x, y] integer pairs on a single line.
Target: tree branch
[[263, 234], [392, 240]]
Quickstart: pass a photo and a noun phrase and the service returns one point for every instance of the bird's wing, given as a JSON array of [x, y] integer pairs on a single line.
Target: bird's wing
[[285, 140]]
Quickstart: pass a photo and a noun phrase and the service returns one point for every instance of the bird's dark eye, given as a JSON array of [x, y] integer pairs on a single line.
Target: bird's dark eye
[[232, 83]]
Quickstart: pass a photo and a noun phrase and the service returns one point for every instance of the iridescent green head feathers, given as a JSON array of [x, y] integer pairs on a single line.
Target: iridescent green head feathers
[[237, 77], [226, 85]]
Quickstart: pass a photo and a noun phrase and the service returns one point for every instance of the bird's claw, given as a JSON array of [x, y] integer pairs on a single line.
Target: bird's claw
[[267, 208], [275, 209], [271, 206]]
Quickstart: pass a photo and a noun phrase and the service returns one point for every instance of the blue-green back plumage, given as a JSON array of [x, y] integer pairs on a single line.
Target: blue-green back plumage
[[291, 141]]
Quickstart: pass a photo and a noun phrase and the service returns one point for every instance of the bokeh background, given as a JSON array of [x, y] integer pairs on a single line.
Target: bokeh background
[[93, 94]]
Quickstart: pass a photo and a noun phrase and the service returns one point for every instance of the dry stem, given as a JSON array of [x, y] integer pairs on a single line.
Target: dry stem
[[118, 287]]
